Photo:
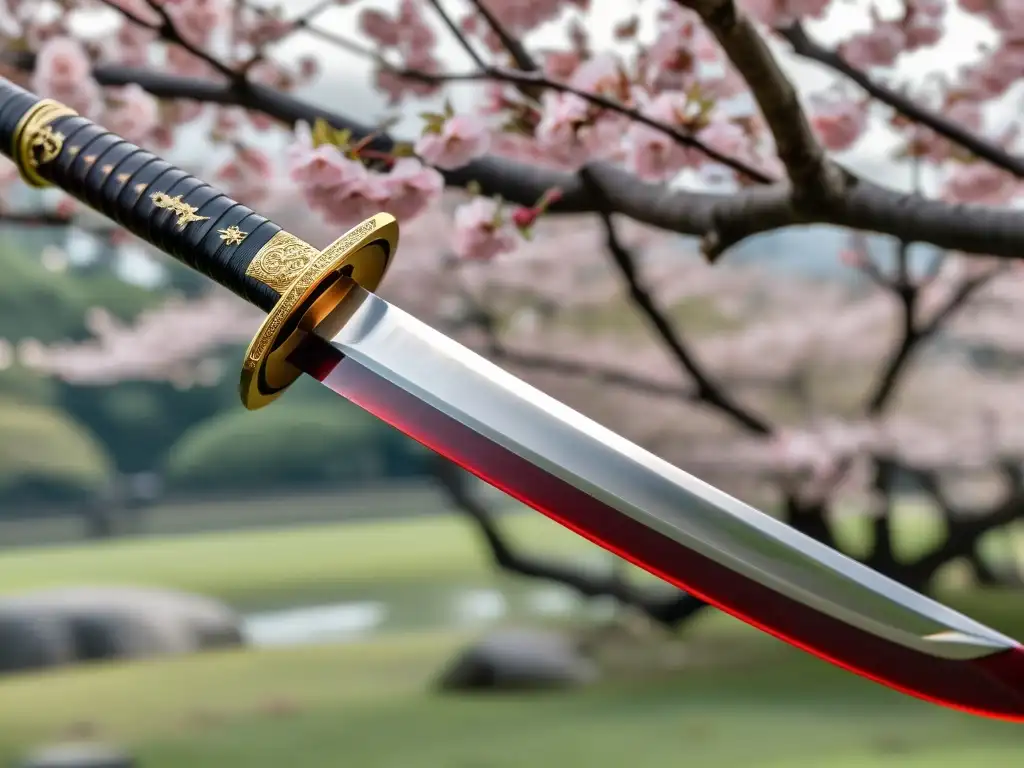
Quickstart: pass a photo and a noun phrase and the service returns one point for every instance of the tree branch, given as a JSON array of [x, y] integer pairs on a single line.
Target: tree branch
[[914, 336], [595, 373], [454, 29], [515, 49], [708, 391], [722, 220], [537, 80], [130, 15], [966, 527], [33, 219], [804, 46], [882, 556], [305, 23], [815, 180], [170, 33], [865, 206], [907, 294], [529, 78]]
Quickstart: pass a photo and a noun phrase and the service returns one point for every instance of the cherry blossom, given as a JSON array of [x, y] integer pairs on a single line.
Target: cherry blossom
[[337, 187], [247, 176], [879, 47], [197, 20], [409, 188], [202, 327], [131, 113], [980, 183], [782, 12], [924, 23], [62, 72], [523, 15], [839, 123], [133, 46], [381, 28], [840, 331], [725, 136], [642, 95], [656, 155], [454, 142], [571, 131], [483, 231], [673, 71]]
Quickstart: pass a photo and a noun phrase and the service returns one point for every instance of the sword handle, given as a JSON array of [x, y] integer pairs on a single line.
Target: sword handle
[[198, 225], [167, 207]]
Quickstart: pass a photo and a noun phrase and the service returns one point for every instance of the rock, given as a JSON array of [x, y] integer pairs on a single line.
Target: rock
[[519, 659], [29, 640], [79, 624], [82, 755]]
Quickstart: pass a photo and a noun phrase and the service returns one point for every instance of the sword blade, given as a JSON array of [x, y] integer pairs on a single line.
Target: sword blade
[[638, 506]]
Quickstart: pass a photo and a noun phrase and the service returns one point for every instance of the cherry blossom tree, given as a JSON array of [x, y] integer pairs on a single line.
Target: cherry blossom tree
[[613, 128], [849, 402]]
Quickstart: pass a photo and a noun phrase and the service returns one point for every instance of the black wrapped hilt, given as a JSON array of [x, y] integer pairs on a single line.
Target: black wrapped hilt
[[167, 207], [199, 226]]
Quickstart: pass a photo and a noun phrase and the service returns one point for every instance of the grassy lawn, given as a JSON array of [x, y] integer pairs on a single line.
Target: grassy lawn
[[172, 517], [758, 703], [308, 562], [244, 565], [369, 705]]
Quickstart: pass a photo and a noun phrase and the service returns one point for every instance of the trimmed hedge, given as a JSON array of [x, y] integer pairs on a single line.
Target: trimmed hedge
[[288, 444], [47, 456], [26, 386]]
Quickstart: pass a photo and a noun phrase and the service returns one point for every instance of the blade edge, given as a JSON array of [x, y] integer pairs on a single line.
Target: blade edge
[[587, 456], [991, 686]]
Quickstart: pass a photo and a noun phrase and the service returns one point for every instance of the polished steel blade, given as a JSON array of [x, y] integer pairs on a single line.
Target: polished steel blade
[[664, 520]]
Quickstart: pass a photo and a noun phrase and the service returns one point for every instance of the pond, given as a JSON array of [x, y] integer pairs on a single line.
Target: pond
[[427, 607]]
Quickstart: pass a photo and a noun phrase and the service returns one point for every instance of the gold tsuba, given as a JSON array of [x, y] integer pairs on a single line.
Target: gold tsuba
[[306, 280]]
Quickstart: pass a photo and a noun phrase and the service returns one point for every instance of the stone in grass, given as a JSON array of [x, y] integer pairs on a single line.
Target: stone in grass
[[79, 624], [79, 755], [517, 660], [30, 640]]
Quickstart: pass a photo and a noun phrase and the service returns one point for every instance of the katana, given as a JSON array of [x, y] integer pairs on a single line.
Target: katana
[[324, 320]]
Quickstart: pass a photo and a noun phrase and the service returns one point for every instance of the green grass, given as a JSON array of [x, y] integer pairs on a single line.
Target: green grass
[[750, 701], [370, 705], [306, 561], [398, 499], [309, 562]]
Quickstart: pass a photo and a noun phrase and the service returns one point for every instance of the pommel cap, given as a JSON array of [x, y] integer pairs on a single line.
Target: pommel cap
[[35, 142], [308, 281]]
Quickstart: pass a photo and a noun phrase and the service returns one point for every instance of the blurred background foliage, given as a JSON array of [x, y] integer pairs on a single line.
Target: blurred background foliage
[[194, 439]]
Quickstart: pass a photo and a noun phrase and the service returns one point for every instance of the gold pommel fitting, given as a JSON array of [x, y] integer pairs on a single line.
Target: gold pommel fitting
[[35, 143], [310, 284]]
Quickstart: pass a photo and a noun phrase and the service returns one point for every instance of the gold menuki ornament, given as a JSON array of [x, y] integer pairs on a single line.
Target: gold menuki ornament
[[312, 284], [232, 235], [186, 213], [35, 141]]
